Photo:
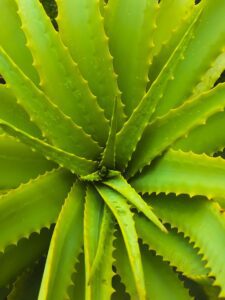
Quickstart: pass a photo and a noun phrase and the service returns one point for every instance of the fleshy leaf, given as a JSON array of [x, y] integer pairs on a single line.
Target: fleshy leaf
[[32, 206], [202, 221], [195, 60], [161, 279], [27, 285], [99, 286], [136, 33], [173, 247], [76, 164], [120, 185], [19, 163], [65, 247], [12, 112], [54, 64], [121, 210], [108, 156], [13, 39], [183, 173], [131, 133], [164, 131], [80, 20], [55, 126], [13, 261]]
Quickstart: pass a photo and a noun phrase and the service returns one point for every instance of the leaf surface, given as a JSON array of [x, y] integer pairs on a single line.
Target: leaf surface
[[81, 20], [199, 219], [32, 206], [54, 64], [136, 33], [121, 210], [65, 247]]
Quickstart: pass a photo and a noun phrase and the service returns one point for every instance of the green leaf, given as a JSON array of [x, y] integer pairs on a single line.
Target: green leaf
[[104, 243], [13, 39], [54, 64], [168, 35], [205, 138], [202, 221], [131, 133], [209, 79], [32, 206], [183, 173], [65, 247], [173, 247], [80, 20], [160, 278], [160, 134], [98, 286], [121, 210], [108, 156], [120, 185], [76, 164], [135, 34], [19, 163], [77, 288], [18, 257], [12, 112], [175, 11], [55, 126], [196, 59], [27, 285]]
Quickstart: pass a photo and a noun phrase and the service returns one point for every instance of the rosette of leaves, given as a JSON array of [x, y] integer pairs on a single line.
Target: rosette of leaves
[[111, 177]]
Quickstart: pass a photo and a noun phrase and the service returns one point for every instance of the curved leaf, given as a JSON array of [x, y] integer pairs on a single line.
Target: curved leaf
[[32, 206], [135, 33], [183, 173], [121, 210], [54, 64], [65, 247], [80, 20], [202, 221]]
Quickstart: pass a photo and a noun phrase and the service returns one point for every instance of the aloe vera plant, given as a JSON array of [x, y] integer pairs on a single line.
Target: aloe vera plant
[[111, 165]]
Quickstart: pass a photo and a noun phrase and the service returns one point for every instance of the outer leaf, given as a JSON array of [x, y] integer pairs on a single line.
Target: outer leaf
[[175, 11], [168, 35], [104, 243], [131, 66], [160, 278], [59, 129], [206, 138], [99, 287], [54, 64], [13, 40], [120, 185], [173, 247], [121, 211], [184, 173], [32, 206], [27, 285], [74, 163], [131, 133], [210, 77], [178, 122], [19, 163], [196, 59], [199, 219], [80, 20], [13, 113], [65, 247], [17, 258], [77, 290]]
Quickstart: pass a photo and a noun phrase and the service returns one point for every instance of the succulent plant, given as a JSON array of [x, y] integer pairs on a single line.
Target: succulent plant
[[112, 176]]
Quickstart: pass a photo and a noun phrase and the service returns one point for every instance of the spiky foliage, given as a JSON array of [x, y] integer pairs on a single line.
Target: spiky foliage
[[108, 179]]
